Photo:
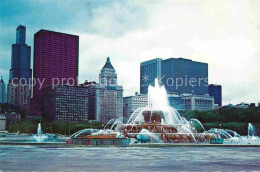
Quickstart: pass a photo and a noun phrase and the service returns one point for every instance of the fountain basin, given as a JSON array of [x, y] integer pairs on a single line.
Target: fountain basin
[[99, 141]]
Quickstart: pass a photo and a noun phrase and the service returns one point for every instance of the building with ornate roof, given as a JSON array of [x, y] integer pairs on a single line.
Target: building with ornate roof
[[105, 97]]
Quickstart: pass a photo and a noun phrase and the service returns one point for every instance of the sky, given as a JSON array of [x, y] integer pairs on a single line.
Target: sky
[[223, 33]]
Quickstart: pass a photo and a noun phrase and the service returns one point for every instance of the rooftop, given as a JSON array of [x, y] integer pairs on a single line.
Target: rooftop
[[43, 30], [108, 64]]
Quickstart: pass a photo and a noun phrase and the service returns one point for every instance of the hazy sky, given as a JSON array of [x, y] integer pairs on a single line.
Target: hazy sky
[[224, 34]]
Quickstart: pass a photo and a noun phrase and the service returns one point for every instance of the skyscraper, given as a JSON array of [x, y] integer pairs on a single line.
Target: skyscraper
[[21, 57], [176, 74], [149, 70], [216, 92], [18, 89], [105, 98], [55, 60], [132, 103], [2, 91], [185, 76], [66, 103], [198, 102]]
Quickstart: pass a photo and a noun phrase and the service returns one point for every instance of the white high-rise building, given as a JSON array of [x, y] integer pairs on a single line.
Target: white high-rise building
[[131, 103], [105, 98], [198, 102], [2, 91]]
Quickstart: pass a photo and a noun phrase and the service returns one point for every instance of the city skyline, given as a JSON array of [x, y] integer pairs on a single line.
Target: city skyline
[[143, 32]]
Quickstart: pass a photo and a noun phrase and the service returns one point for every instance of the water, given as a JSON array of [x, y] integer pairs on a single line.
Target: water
[[158, 101], [236, 139], [251, 130], [53, 158], [158, 107], [39, 129], [151, 136], [36, 138]]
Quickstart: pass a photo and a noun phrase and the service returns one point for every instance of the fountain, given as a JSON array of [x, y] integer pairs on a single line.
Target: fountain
[[236, 139], [160, 120], [34, 139], [39, 129], [40, 137], [251, 130], [160, 123]]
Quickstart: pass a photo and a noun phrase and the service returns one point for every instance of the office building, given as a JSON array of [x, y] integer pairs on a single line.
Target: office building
[[242, 105], [65, 102], [2, 122], [12, 118], [149, 70], [176, 101], [177, 74], [216, 92], [21, 57], [132, 103], [91, 86], [56, 57], [198, 102], [19, 95], [2, 91], [18, 88], [252, 105], [11, 112], [105, 97]]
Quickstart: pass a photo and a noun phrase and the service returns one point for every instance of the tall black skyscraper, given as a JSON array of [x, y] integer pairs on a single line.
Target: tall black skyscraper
[[21, 56], [216, 92], [18, 88]]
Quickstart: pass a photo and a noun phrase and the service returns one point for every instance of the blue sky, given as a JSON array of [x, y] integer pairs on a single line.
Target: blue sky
[[224, 34]]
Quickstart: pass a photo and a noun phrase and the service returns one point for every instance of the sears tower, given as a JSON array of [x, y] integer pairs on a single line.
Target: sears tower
[[21, 57], [18, 89]]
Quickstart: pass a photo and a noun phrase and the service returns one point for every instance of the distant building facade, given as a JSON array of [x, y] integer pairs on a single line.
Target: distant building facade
[[198, 102], [216, 92], [12, 118], [18, 88], [252, 105], [68, 103], [176, 74], [105, 97], [176, 101], [2, 122], [242, 105], [2, 91], [55, 59], [12, 113], [19, 95], [131, 103], [92, 97], [149, 70]]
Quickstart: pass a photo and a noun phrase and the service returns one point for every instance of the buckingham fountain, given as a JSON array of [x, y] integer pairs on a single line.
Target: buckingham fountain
[[159, 123]]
